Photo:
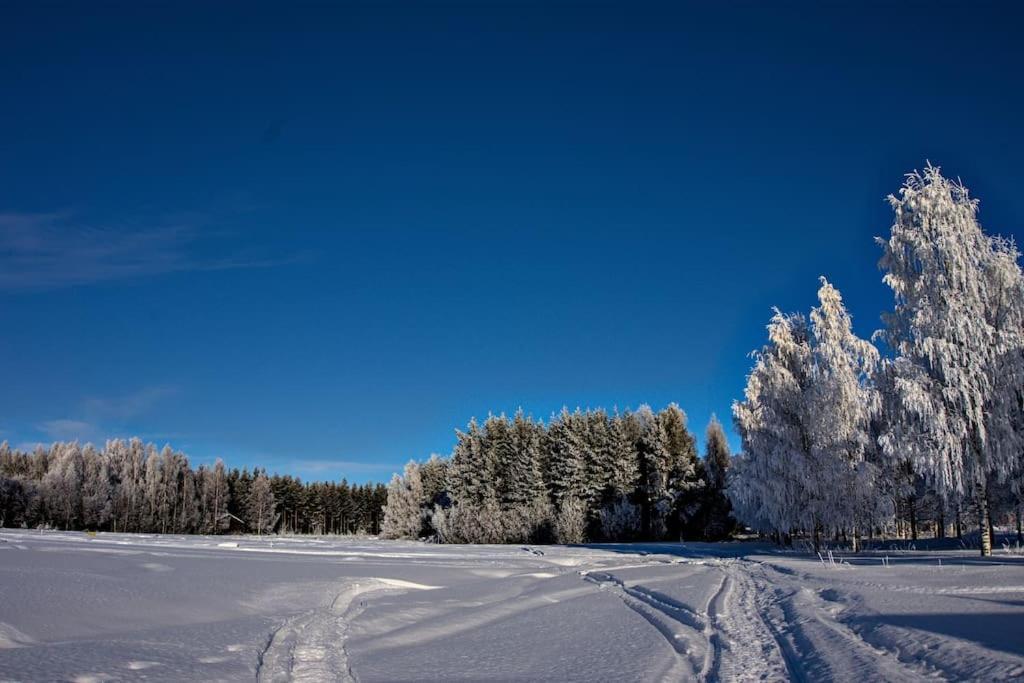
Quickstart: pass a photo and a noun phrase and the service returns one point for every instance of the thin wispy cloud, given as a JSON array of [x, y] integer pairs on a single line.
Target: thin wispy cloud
[[40, 251], [69, 430], [127, 406], [102, 417], [328, 465]]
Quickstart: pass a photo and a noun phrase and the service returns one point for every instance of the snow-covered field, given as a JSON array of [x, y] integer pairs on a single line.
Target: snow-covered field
[[133, 607]]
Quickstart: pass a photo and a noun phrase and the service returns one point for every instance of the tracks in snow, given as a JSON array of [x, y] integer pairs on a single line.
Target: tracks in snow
[[311, 645], [753, 627], [678, 624]]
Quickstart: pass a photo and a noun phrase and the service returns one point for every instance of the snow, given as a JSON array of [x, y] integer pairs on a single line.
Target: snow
[[128, 607]]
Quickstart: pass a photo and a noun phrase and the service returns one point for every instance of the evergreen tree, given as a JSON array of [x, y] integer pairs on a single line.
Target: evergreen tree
[[718, 522], [565, 458], [523, 481], [685, 473], [654, 464]]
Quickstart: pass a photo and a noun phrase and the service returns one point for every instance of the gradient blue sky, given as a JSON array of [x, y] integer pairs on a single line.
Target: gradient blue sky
[[319, 239]]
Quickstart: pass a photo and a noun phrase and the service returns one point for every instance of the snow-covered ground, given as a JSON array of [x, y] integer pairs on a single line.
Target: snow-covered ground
[[134, 607]]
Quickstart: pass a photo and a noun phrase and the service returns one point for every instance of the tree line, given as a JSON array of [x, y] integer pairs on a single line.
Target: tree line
[[841, 438], [133, 487], [585, 475]]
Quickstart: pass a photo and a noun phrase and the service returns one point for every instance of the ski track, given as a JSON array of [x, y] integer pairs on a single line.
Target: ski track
[[675, 624], [756, 629], [813, 641], [311, 645]]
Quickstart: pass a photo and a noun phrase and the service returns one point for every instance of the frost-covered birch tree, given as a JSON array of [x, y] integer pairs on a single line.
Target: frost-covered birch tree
[[843, 403], [805, 424], [768, 487], [956, 330], [403, 514], [262, 507]]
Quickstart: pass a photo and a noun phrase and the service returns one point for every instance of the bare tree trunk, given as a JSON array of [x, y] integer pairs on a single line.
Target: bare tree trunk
[[984, 524], [959, 523], [1020, 536]]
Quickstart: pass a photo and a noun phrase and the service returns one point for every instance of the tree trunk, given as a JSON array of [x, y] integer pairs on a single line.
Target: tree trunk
[[959, 523], [941, 528], [856, 539], [1020, 536], [912, 510], [983, 520]]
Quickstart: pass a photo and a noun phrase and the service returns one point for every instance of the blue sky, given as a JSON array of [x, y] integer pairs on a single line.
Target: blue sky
[[318, 239]]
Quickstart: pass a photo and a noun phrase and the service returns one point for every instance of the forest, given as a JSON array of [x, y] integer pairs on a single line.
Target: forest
[[131, 486], [919, 429]]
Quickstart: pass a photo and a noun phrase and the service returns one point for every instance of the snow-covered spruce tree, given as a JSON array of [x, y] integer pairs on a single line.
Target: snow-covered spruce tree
[[599, 463], [566, 457], [955, 338], [514, 448], [403, 513], [623, 456], [523, 482], [718, 522], [566, 461], [654, 464], [685, 475], [434, 475], [475, 514], [497, 445], [526, 510], [471, 472]]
